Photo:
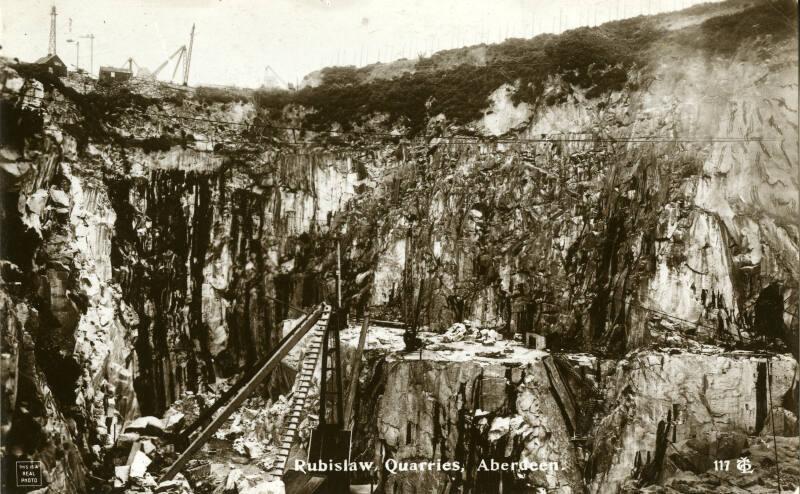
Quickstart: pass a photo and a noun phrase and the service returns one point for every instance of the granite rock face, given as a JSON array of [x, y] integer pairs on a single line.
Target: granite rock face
[[654, 417], [685, 410], [135, 275], [446, 411], [603, 245]]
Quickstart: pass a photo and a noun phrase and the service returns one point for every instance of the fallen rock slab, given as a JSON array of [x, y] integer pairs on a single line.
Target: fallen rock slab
[[148, 425], [139, 465], [178, 485], [121, 475], [270, 487]]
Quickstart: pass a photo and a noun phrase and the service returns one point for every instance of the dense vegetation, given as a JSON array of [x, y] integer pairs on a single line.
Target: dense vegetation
[[211, 94], [724, 35], [596, 59]]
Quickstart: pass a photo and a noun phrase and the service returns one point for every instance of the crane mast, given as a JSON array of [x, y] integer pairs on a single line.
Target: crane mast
[[51, 47], [188, 59], [184, 59], [177, 52]]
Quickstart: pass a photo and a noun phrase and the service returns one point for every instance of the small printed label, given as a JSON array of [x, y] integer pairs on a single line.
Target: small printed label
[[29, 474], [743, 465]]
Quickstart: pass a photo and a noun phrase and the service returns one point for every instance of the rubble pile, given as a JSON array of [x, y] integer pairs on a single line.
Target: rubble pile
[[235, 462], [470, 331]]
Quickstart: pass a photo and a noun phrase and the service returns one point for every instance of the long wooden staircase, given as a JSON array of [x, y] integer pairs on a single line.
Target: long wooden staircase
[[300, 390]]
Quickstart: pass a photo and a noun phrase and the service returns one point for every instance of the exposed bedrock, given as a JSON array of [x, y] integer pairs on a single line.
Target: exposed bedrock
[[210, 260], [672, 411], [453, 405], [133, 279], [655, 416], [609, 247]]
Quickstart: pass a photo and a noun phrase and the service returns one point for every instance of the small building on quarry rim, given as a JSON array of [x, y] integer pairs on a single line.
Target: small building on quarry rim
[[54, 65], [114, 74]]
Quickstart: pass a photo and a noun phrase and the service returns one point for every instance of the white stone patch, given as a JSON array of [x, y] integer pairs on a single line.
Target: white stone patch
[[388, 272], [677, 291], [503, 115]]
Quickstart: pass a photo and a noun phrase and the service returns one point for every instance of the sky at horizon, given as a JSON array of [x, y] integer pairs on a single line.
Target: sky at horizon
[[236, 40]]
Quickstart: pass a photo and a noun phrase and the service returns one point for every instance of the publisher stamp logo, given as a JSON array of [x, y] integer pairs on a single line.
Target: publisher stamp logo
[[29, 474]]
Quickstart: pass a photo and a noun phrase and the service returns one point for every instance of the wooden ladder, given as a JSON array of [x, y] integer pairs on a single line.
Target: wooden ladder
[[300, 390]]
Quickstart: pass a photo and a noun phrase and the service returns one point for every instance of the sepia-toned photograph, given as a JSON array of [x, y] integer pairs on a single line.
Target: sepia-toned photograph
[[399, 247]]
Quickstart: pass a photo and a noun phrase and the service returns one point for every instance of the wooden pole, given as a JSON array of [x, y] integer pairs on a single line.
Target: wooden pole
[[338, 274], [351, 396]]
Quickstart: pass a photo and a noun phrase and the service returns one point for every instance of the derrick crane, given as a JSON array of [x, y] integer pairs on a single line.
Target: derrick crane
[[187, 60], [178, 53], [130, 62], [51, 46], [183, 60]]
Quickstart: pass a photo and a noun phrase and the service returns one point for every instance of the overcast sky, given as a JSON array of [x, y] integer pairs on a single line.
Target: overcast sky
[[237, 39]]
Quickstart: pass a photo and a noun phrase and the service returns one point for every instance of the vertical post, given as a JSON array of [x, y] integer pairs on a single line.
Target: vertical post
[[51, 48], [351, 397], [340, 317], [90, 37], [323, 377], [338, 274], [188, 58]]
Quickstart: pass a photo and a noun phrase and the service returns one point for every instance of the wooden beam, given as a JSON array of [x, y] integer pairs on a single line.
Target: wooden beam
[[277, 355], [389, 324], [351, 391], [562, 395]]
